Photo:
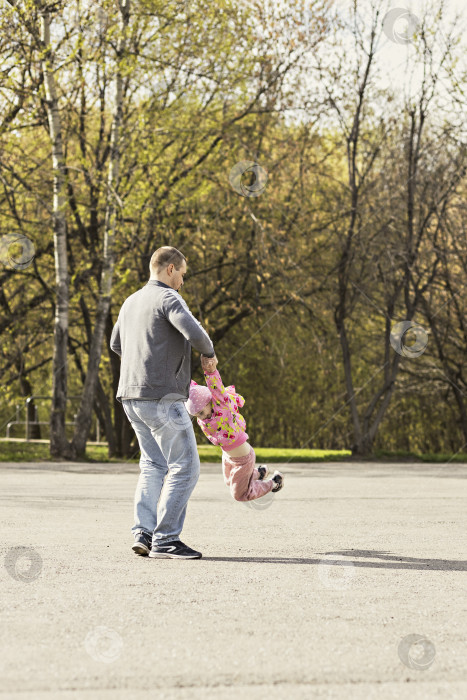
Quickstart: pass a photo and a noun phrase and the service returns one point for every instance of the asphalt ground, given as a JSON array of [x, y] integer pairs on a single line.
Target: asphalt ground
[[349, 583]]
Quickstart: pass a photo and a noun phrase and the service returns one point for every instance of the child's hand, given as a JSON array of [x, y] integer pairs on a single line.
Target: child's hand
[[208, 363]]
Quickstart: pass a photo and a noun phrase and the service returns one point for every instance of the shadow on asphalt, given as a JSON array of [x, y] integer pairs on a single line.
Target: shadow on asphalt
[[388, 561]]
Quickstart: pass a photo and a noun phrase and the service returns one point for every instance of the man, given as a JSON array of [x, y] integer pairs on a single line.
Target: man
[[153, 335]]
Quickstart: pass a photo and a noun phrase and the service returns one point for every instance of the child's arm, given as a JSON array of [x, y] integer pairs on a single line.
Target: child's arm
[[213, 379], [216, 387]]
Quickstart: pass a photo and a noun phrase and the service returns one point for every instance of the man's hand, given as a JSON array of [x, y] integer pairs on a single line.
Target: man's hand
[[208, 363]]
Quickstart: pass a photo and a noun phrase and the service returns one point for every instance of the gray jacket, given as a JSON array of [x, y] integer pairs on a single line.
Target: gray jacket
[[153, 336]]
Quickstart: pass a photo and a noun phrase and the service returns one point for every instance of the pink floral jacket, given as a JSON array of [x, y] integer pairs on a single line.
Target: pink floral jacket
[[226, 427]]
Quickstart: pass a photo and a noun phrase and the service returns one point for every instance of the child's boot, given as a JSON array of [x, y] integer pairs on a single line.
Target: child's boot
[[278, 479], [263, 472]]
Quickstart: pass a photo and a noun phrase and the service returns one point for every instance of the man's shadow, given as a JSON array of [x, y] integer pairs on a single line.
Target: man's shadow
[[386, 560]]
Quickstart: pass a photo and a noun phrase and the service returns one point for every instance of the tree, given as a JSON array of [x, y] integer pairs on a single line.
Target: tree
[[382, 249], [84, 417]]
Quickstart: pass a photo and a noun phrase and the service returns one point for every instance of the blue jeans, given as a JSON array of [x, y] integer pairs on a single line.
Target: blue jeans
[[169, 466]]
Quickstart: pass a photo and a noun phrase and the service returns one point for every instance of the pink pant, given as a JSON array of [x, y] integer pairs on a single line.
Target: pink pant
[[242, 477]]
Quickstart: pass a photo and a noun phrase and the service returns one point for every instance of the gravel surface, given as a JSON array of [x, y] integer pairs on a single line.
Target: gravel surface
[[349, 583]]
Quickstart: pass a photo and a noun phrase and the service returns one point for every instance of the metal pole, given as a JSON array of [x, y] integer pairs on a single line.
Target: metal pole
[[27, 419]]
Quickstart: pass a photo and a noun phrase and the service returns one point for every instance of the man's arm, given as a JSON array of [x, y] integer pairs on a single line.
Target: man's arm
[[180, 316], [115, 343]]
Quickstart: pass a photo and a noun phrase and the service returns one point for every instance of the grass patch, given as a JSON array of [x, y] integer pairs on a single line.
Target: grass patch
[[24, 451], [12, 451], [209, 453]]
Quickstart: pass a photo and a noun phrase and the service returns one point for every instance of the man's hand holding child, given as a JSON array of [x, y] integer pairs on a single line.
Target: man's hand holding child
[[208, 363]]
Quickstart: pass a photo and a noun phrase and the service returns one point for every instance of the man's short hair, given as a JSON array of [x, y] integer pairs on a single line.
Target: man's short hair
[[165, 256]]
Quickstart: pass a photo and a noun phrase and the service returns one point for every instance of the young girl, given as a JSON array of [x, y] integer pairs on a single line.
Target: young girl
[[216, 408]]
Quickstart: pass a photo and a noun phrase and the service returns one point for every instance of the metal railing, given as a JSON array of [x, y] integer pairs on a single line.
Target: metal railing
[[28, 423]]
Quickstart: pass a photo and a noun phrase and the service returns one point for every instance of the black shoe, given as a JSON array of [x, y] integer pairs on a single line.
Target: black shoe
[[263, 472], [142, 545], [173, 550], [278, 479]]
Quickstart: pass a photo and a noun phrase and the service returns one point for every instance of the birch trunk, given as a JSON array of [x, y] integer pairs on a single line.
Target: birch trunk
[[59, 445], [84, 417]]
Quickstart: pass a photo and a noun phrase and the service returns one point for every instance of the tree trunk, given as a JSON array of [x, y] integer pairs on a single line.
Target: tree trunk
[[59, 445], [84, 417], [26, 390], [107, 419], [459, 396], [123, 431]]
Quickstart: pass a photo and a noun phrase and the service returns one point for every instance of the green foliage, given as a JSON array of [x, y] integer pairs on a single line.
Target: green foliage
[[208, 85]]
